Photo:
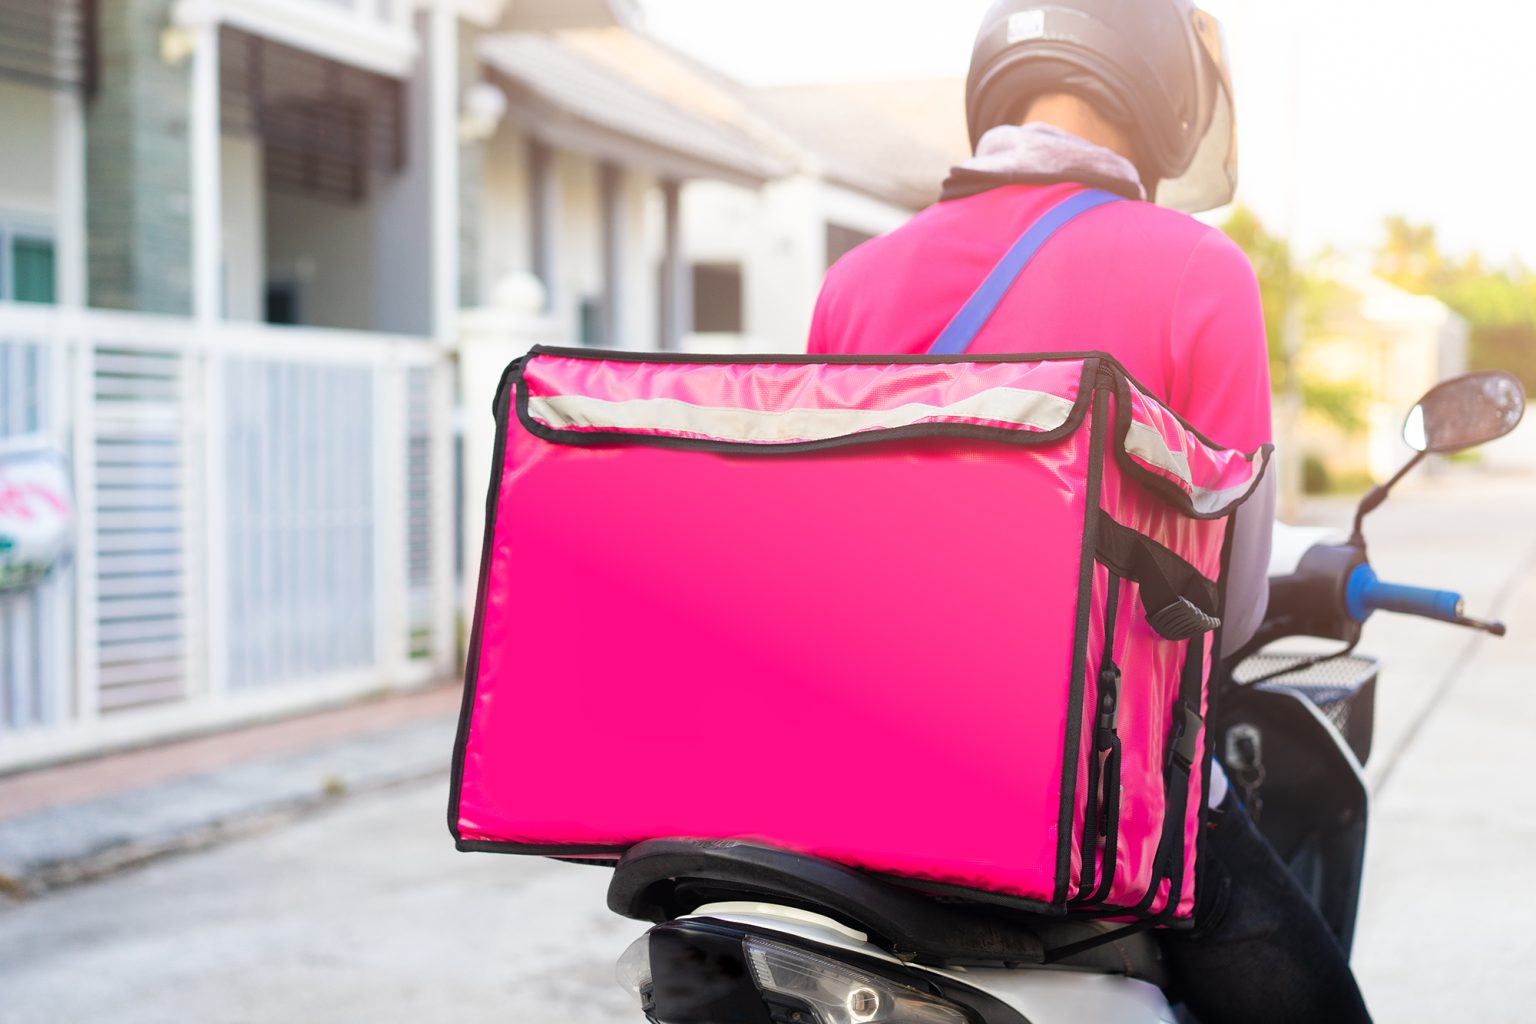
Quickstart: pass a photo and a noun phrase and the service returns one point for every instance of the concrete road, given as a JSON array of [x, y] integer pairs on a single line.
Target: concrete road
[[366, 914]]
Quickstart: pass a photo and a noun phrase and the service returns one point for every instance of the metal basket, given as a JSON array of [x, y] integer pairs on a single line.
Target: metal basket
[[1343, 689]]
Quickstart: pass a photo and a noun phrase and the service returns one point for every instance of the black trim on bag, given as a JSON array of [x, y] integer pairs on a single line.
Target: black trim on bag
[[1098, 438], [472, 667], [952, 431]]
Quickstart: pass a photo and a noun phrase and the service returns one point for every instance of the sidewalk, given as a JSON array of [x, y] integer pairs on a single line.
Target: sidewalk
[[80, 821]]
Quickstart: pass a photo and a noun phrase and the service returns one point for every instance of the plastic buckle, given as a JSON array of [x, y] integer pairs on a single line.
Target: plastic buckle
[[1181, 620], [1109, 704], [1184, 743]]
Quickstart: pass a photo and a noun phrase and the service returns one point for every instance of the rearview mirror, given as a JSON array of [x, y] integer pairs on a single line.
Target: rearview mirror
[[1465, 412]]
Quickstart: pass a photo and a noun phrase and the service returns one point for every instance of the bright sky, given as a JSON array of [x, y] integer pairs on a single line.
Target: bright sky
[[1349, 110]]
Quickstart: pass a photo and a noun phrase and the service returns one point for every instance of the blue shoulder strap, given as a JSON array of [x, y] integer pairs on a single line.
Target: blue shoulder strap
[[973, 316]]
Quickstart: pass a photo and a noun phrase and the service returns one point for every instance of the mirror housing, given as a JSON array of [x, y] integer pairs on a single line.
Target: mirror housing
[[1465, 412]]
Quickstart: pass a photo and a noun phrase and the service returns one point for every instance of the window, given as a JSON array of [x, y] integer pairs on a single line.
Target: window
[[589, 322], [717, 303], [27, 266], [841, 241]]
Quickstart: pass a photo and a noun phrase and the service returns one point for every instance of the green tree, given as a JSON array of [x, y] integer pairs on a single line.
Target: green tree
[[1278, 280], [1282, 284], [1499, 304]]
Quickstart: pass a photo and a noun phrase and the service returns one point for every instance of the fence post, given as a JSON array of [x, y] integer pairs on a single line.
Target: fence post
[[215, 526], [391, 423], [60, 424], [445, 605], [489, 339], [83, 454]]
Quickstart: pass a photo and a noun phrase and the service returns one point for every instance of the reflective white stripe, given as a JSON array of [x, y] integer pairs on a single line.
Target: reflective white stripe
[[1037, 410], [1148, 444]]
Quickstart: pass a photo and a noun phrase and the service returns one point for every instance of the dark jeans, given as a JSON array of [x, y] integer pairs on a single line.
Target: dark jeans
[[1260, 952]]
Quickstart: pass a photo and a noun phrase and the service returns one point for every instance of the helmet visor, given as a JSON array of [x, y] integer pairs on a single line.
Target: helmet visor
[[1211, 179]]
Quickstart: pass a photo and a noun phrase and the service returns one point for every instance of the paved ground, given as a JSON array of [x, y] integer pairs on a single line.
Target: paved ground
[[1446, 923], [364, 912], [63, 825]]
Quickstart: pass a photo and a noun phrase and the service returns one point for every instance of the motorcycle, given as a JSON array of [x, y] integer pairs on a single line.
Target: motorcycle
[[747, 934]]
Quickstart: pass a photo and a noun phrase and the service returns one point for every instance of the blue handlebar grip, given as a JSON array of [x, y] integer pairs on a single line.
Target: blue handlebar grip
[[1366, 594]]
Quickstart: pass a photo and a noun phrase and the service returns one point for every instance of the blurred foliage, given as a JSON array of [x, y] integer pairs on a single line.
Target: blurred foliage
[[1499, 304], [1338, 402], [1318, 478], [1279, 281], [1287, 290]]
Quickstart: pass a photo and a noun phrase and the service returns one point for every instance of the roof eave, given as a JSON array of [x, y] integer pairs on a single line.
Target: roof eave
[[563, 129], [558, 15]]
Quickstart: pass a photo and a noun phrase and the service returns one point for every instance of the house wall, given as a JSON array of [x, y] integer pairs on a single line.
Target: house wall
[[779, 236], [328, 248], [861, 212], [639, 311], [243, 196], [27, 190], [578, 239], [399, 255], [505, 244], [506, 236], [138, 166]]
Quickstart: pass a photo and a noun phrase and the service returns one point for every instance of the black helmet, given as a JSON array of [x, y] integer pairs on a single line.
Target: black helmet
[[1156, 67]]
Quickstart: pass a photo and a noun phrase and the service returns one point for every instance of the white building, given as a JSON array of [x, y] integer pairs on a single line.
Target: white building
[[229, 234], [236, 240], [665, 206], [1391, 346]]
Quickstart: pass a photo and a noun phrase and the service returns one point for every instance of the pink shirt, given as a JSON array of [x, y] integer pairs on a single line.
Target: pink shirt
[[1173, 299]]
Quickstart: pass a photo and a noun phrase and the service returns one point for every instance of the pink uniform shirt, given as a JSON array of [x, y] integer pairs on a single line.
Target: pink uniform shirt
[[1173, 299]]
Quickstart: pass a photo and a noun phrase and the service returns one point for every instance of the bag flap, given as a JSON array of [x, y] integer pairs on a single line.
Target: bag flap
[[1198, 476], [795, 404], [800, 403]]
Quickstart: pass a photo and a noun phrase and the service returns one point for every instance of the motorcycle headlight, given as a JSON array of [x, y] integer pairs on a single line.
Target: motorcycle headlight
[[683, 976]]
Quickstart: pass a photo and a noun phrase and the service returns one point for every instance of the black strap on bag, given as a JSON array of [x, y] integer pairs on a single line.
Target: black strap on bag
[[1180, 603], [1181, 754]]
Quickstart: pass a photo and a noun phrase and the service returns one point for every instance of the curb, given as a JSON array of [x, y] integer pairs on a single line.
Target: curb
[[65, 846]]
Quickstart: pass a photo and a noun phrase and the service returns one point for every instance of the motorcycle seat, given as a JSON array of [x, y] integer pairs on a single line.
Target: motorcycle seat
[[663, 879]]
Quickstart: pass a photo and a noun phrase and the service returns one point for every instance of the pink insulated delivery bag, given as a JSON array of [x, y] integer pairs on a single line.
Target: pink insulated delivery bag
[[945, 619]]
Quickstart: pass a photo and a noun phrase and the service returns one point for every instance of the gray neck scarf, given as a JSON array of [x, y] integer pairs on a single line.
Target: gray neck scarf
[[1043, 150]]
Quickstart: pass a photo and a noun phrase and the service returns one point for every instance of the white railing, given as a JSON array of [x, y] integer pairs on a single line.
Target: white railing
[[265, 523]]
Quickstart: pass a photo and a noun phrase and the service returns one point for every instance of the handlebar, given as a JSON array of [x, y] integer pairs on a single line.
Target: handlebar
[[1366, 593], [1332, 590]]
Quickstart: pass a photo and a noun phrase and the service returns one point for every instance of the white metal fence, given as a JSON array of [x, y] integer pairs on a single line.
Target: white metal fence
[[265, 521]]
